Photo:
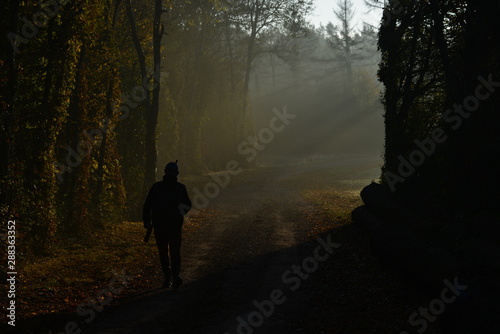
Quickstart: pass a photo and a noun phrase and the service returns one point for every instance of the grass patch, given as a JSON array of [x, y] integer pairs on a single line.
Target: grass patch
[[334, 192], [337, 204]]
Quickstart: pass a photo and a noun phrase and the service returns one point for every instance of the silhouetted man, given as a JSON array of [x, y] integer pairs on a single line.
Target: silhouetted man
[[164, 210]]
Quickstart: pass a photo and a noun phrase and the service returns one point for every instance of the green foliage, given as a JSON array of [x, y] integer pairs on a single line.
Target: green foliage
[[67, 82]]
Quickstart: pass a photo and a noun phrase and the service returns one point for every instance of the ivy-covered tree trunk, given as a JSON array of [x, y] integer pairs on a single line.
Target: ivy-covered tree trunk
[[152, 114]]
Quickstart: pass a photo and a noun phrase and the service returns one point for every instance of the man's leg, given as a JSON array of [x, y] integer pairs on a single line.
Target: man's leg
[[162, 244], [175, 256]]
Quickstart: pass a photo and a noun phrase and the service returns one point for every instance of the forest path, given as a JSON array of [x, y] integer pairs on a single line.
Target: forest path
[[241, 255]]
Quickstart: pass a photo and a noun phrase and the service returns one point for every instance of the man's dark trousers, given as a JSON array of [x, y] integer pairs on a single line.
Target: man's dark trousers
[[169, 238]]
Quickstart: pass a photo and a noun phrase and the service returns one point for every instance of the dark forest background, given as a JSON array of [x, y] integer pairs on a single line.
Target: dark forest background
[[440, 71]]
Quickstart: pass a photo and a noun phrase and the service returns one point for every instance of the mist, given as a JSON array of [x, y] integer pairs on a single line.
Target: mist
[[328, 82]]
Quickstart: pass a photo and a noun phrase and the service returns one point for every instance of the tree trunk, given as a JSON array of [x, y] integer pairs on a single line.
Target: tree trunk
[[246, 85], [150, 105], [135, 39], [152, 113], [10, 89]]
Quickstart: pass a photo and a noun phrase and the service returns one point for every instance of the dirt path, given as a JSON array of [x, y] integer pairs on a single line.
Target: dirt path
[[241, 257]]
